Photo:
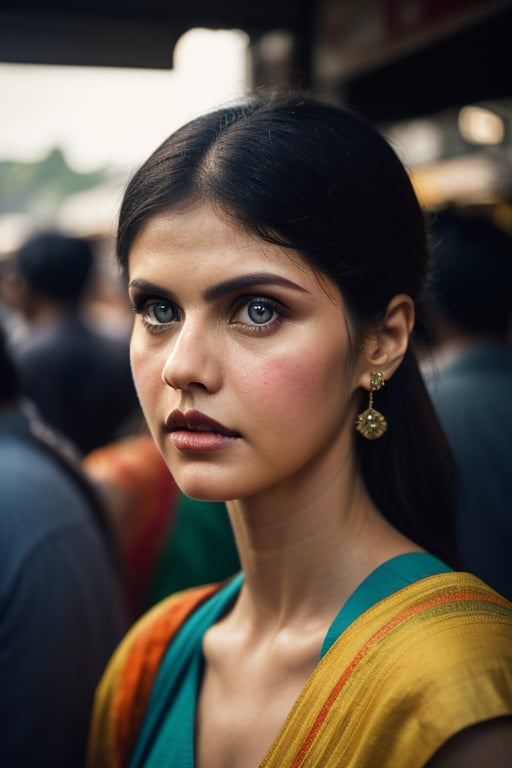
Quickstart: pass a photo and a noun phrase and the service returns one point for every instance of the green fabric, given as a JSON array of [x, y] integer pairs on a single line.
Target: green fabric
[[199, 549], [391, 576], [167, 734]]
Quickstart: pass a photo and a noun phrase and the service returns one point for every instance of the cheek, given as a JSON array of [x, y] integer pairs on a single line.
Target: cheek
[[146, 373], [285, 387]]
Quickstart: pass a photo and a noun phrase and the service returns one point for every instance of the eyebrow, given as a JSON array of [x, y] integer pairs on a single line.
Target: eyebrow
[[249, 281], [227, 286]]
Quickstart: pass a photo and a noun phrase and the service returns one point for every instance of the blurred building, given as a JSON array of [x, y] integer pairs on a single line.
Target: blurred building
[[433, 75]]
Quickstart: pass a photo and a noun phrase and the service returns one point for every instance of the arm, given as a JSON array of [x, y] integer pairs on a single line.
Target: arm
[[486, 745]]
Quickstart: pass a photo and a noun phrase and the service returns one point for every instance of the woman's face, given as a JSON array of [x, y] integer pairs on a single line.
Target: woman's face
[[240, 355]]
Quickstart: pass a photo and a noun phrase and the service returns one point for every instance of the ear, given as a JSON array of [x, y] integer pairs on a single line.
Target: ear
[[385, 346]]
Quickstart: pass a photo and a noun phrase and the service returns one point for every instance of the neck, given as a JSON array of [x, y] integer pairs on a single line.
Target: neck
[[303, 553]]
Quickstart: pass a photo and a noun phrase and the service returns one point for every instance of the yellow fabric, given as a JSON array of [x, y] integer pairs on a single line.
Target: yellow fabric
[[102, 752], [407, 675]]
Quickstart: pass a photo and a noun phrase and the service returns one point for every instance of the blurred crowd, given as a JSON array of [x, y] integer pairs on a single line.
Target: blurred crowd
[[468, 370], [93, 529]]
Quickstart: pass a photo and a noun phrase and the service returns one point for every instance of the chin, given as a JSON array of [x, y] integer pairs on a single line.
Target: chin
[[205, 479], [213, 489], [205, 485], [199, 493]]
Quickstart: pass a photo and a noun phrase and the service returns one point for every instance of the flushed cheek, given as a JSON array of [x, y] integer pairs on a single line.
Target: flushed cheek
[[285, 390]]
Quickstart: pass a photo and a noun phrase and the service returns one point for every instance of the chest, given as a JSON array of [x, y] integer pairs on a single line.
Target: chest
[[241, 710]]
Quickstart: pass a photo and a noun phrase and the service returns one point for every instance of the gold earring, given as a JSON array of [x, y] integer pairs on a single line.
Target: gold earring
[[371, 423]]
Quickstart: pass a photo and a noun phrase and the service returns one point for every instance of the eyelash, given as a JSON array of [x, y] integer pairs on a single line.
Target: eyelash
[[141, 305], [244, 302]]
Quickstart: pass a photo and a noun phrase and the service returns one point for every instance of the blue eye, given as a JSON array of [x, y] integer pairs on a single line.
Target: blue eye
[[260, 312], [156, 313], [160, 313]]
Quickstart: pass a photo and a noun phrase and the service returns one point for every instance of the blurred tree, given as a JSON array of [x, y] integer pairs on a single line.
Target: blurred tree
[[38, 188]]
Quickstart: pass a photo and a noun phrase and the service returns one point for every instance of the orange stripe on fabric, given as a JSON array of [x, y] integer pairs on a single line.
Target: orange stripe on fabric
[[142, 662], [451, 597]]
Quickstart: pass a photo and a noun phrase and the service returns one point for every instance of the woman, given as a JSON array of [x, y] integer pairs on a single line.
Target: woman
[[275, 252]]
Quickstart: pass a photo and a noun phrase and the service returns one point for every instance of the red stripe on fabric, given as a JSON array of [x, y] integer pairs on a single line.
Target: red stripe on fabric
[[400, 618]]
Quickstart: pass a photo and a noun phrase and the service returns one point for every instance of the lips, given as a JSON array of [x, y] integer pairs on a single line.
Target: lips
[[194, 421]]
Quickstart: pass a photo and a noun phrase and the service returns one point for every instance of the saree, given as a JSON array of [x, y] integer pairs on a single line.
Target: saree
[[408, 673]]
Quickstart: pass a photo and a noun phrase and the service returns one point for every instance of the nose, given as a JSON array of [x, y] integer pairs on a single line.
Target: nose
[[192, 361]]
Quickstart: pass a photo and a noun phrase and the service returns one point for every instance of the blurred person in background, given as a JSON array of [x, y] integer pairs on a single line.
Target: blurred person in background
[[468, 313], [61, 606], [78, 377], [11, 319]]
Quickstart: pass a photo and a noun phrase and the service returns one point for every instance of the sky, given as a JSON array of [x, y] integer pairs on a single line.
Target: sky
[[114, 117]]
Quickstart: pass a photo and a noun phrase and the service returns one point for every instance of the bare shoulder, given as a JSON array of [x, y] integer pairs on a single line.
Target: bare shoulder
[[480, 746]]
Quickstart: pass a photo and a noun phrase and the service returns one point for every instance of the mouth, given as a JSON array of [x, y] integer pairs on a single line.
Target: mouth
[[194, 421]]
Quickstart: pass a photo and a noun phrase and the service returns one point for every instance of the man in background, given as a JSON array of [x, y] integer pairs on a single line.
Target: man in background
[[468, 316], [61, 605], [79, 378]]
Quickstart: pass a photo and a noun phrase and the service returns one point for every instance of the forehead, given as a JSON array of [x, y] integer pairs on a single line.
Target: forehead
[[185, 227], [206, 240]]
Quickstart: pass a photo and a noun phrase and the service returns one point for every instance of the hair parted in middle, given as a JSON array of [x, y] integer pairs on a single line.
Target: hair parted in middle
[[318, 179]]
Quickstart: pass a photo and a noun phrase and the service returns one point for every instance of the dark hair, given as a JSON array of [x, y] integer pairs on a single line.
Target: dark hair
[[9, 378], [471, 272], [55, 265], [317, 179]]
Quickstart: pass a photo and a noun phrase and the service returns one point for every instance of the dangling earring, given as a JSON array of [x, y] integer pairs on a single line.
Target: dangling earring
[[371, 423]]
